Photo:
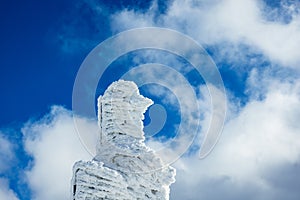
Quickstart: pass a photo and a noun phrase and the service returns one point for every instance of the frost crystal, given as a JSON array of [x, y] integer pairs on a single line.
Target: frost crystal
[[124, 167]]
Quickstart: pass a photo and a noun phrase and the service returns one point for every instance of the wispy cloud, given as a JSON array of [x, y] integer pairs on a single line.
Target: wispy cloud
[[225, 21], [7, 154], [5, 192]]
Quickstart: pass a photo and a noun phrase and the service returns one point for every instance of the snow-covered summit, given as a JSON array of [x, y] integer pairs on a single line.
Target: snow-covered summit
[[124, 167]]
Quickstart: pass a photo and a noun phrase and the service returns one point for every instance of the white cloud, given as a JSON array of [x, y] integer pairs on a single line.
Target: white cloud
[[55, 147], [258, 156], [227, 23], [7, 157], [6, 153], [5, 192]]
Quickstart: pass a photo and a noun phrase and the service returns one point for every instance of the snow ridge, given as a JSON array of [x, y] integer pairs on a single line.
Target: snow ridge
[[124, 167]]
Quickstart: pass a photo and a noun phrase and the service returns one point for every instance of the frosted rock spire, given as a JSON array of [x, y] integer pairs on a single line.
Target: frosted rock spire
[[124, 167]]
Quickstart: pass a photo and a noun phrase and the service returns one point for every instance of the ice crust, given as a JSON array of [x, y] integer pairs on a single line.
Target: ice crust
[[124, 167]]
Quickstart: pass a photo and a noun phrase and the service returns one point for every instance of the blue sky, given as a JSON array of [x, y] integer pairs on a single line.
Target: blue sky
[[253, 43]]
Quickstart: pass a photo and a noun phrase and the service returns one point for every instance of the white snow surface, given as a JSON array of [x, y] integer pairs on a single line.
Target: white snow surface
[[124, 167]]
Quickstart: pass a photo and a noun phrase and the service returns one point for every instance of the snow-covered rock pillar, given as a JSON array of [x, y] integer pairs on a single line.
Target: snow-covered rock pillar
[[124, 167]]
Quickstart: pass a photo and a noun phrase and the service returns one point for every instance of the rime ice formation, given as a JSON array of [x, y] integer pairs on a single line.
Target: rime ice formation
[[124, 167]]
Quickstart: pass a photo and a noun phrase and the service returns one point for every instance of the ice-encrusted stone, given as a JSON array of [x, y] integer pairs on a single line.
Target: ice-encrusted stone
[[124, 167]]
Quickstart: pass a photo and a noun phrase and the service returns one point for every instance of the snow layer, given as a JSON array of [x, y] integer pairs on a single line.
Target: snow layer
[[124, 167]]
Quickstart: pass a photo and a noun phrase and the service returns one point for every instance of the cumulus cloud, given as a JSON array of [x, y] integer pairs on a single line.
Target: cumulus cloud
[[228, 23], [258, 156], [54, 146]]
